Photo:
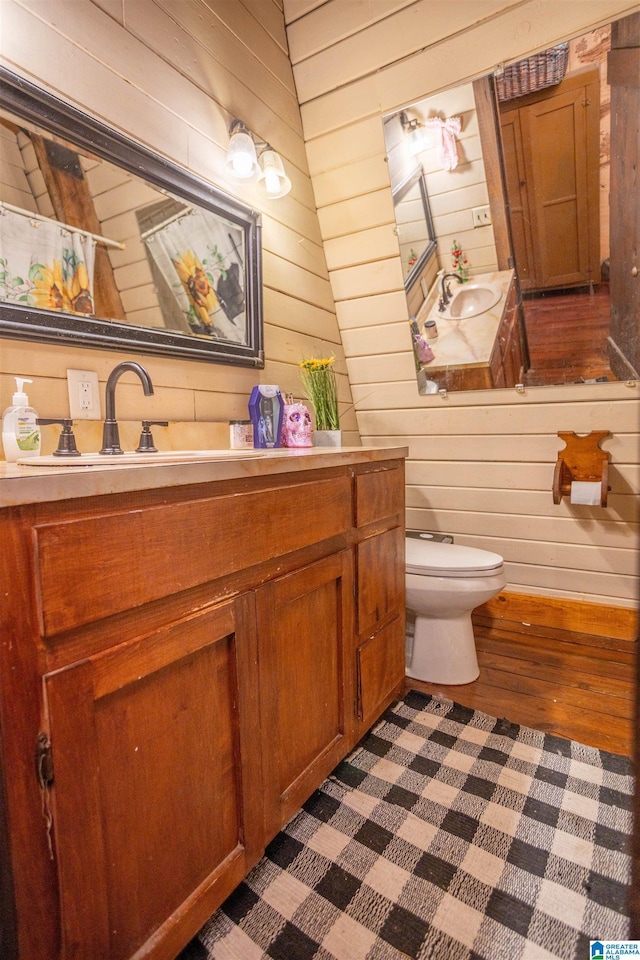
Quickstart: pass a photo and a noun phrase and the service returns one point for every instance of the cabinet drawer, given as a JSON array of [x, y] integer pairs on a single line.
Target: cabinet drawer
[[379, 494], [94, 567]]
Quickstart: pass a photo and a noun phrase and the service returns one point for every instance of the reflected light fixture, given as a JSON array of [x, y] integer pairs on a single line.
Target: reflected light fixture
[[272, 177], [416, 133], [243, 161]]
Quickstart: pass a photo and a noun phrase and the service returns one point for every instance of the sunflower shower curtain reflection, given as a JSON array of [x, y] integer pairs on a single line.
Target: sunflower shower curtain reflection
[[201, 257], [43, 265]]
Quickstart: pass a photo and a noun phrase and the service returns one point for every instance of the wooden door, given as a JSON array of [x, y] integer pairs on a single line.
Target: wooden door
[[624, 284], [552, 166], [157, 784], [305, 628]]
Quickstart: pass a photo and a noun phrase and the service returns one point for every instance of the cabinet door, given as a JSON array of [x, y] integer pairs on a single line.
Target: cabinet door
[[381, 579], [156, 784], [380, 666], [380, 654], [305, 628]]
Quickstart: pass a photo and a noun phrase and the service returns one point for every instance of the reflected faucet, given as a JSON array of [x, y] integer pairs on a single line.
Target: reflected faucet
[[110, 434], [445, 293]]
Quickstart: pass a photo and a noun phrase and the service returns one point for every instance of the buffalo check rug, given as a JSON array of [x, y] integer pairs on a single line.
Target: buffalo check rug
[[447, 834]]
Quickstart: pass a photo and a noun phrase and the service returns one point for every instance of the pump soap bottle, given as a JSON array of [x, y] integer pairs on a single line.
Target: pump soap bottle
[[20, 431]]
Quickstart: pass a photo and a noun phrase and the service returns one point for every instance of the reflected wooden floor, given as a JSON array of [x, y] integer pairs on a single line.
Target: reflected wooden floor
[[567, 334], [576, 686]]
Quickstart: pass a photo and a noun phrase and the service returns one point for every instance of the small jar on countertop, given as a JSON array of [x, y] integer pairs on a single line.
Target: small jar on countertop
[[240, 434], [431, 330]]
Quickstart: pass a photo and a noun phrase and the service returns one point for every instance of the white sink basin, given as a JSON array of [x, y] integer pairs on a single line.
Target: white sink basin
[[471, 299], [142, 459]]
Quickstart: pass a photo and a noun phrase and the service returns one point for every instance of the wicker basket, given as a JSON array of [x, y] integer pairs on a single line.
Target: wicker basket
[[542, 70]]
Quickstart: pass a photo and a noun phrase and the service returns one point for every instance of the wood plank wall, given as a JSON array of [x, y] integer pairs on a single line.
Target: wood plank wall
[[173, 76], [480, 464]]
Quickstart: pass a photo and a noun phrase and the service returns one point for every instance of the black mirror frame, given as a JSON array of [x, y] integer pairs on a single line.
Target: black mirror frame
[[26, 100], [429, 251]]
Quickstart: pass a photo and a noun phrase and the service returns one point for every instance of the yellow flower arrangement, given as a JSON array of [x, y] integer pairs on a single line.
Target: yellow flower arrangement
[[319, 381]]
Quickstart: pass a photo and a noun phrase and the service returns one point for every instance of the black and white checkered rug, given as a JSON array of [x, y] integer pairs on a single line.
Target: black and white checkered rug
[[448, 835]]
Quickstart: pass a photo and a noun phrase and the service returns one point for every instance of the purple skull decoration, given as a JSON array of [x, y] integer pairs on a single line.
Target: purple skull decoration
[[296, 426]]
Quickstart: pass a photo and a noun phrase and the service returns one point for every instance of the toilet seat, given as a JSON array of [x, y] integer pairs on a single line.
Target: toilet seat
[[430, 558]]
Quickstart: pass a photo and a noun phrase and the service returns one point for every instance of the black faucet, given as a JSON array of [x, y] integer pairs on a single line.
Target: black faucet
[[110, 434], [445, 293]]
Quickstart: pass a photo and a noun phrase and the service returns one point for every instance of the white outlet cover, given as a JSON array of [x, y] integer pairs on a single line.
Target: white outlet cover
[[84, 395]]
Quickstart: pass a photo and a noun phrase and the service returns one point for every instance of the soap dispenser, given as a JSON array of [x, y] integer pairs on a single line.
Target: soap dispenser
[[20, 431]]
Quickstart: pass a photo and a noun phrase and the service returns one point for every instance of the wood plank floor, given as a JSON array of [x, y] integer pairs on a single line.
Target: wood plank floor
[[576, 686], [567, 334]]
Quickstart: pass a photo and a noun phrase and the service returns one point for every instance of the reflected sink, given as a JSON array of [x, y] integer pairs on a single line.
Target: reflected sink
[[472, 299], [143, 459]]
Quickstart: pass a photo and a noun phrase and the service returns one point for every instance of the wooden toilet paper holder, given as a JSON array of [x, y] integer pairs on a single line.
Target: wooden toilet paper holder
[[581, 460]]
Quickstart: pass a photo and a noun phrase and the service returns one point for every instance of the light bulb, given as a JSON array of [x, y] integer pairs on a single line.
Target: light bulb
[[274, 180], [271, 181], [242, 165], [242, 161], [419, 140]]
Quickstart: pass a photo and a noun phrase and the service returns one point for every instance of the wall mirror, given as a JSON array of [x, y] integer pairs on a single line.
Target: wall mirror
[[105, 244], [526, 170]]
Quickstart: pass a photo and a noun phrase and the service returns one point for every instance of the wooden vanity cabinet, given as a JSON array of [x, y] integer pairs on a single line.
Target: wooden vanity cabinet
[[180, 669]]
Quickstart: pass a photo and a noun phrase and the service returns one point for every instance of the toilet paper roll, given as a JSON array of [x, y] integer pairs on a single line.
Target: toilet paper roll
[[588, 492]]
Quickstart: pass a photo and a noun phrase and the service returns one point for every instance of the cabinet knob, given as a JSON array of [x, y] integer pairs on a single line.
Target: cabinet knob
[[634, 271]]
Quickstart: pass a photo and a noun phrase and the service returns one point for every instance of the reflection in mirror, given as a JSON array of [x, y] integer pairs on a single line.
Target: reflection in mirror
[[453, 192], [553, 154], [93, 253], [414, 226]]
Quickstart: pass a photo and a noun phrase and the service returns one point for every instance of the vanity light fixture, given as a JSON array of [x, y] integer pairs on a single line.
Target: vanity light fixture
[[416, 132], [244, 163]]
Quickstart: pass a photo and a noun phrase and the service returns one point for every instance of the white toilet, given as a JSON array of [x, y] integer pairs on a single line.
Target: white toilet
[[445, 582]]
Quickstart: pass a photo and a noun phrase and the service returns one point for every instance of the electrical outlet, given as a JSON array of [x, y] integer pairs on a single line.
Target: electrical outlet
[[84, 395], [481, 216]]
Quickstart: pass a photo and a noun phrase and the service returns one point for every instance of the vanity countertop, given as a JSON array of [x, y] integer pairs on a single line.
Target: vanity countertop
[[20, 485], [468, 342]]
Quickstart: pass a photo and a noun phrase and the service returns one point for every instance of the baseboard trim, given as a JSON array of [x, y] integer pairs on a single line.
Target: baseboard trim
[[599, 620]]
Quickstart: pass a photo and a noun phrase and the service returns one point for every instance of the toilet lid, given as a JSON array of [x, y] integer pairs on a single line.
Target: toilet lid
[[448, 559]]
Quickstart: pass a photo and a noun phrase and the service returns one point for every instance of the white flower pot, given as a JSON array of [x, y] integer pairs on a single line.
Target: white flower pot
[[327, 438]]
